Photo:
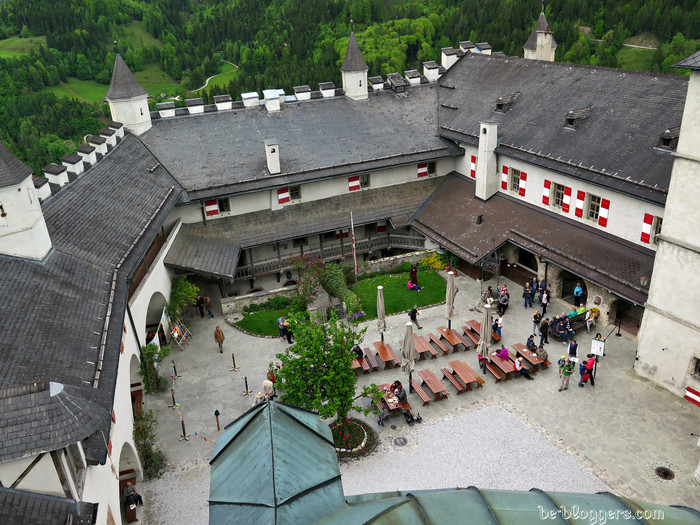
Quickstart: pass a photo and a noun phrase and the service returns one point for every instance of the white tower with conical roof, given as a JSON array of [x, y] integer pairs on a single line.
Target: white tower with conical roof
[[541, 44], [23, 232], [128, 101], [354, 71]]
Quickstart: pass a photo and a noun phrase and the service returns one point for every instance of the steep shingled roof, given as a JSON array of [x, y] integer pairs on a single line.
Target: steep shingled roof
[[12, 170], [691, 62], [19, 507], [616, 146], [353, 58], [541, 25], [123, 84]]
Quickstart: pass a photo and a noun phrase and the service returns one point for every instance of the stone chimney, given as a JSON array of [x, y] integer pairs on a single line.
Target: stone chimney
[[195, 105], [23, 231], [272, 103], [250, 99], [166, 109], [128, 101], [56, 174], [432, 70], [354, 72], [73, 163], [223, 102], [327, 89], [448, 57], [110, 136], [272, 151], [302, 92], [484, 48], [487, 179], [541, 44], [118, 128], [88, 153]]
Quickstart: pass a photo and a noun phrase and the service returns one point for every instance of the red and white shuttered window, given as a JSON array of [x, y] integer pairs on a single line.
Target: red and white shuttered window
[[342, 233], [283, 195], [504, 178], [472, 167], [546, 191], [354, 183], [603, 217], [646, 227], [523, 183], [422, 169], [211, 207], [381, 227], [566, 201], [580, 199]]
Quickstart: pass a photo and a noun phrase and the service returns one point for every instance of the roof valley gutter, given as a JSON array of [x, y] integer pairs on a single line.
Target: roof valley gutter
[[110, 302]]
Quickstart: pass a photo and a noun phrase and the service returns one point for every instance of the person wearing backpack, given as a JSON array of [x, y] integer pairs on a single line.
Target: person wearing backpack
[[536, 320], [584, 374]]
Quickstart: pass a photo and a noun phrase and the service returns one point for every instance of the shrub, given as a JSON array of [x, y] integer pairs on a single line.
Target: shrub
[[309, 270], [182, 294], [146, 439], [433, 261], [150, 354]]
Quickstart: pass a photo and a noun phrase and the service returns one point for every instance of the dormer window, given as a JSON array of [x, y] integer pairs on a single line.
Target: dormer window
[[575, 118], [668, 141], [504, 103]]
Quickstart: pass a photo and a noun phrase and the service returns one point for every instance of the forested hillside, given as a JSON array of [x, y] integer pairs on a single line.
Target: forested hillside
[[280, 44]]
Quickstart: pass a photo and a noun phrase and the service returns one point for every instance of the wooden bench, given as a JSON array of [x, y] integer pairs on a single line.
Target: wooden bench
[[452, 379], [358, 364], [495, 337], [471, 335], [546, 363], [369, 356], [394, 356], [467, 344], [434, 384], [442, 346], [421, 393], [495, 372]]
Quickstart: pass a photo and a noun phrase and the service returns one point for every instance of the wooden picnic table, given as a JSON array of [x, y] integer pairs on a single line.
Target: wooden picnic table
[[475, 326], [386, 354], [388, 398], [423, 347], [466, 374], [521, 350], [434, 384], [503, 365], [453, 338]]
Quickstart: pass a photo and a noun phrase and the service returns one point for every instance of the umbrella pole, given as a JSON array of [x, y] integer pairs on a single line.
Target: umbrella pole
[[410, 382], [382, 336], [449, 324]]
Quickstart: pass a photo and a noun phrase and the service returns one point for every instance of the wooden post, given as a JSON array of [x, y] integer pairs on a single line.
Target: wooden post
[[175, 374], [234, 368], [172, 394], [185, 435], [246, 392], [216, 415]]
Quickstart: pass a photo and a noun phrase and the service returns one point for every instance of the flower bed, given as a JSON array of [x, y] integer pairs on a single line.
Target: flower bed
[[359, 440]]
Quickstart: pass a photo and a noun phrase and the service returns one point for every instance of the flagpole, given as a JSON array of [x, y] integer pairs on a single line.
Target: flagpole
[[354, 257]]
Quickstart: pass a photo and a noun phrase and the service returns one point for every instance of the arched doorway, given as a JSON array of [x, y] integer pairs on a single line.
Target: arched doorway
[[129, 471], [136, 385], [154, 314], [568, 283], [628, 315]]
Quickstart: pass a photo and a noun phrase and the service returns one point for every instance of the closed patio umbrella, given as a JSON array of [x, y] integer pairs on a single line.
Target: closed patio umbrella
[[450, 299], [482, 347], [381, 321], [408, 353]]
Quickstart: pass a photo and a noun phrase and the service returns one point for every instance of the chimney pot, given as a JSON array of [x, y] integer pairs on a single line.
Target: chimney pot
[[272, 152]]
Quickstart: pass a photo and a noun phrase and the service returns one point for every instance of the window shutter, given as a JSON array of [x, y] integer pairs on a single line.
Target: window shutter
[[211, 208], [504, 178], [646, 227], [580, 197], [423, 169], [381, 227], [472, 167], [354, 183], [283, 195], [546, 191], [523, 183], [567, 200], [603, 217]]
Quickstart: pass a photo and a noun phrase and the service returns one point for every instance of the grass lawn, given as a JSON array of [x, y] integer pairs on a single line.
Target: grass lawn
[[262, 323], [16, 46], [155, 80], [397, 297], [87, 90], [634, 58], [227, 72], [137, 32]]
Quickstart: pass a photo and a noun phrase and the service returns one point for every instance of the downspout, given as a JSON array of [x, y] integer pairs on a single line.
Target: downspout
[[133, 327]]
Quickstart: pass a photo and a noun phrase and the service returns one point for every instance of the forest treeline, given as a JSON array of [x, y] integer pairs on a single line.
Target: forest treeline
[[283, 43]]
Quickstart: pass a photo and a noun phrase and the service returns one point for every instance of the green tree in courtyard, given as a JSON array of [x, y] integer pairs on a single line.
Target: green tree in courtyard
[[317, 371]]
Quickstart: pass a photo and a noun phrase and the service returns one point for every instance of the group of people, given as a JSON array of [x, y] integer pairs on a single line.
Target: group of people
[[566, 370], [536, 288], [412, 283], [268, 392], [285, 330], [399, 392], [204, 303]]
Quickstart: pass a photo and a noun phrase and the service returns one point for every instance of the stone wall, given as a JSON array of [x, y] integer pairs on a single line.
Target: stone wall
[[389, 263], [231, 305]]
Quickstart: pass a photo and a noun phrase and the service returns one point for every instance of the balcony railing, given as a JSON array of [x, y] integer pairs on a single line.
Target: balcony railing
[[331, 253]]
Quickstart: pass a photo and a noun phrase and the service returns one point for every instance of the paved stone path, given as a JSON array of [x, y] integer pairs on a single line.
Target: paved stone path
[[619, 431]]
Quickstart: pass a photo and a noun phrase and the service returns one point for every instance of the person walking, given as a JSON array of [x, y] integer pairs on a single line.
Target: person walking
[[280, 325], [502, 302], [544, 331], [536, 320], [207, 305], [590, 363], [578, 292], [499, 325], [219, 337], [565, 374], [413, 315], [200, 305], [573, 349]]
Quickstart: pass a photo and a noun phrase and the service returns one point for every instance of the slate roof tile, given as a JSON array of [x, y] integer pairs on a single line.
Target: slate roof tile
[[123, 85], [353, 57], [12, 170], [18, 507]]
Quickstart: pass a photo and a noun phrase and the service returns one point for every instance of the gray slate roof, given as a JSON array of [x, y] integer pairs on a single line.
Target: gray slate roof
[[540, 25], [629, 112], [691, 62], [353, 57], [123, 84], [18, 507], [102, 222], [611, 262], [213, 248], [223, 153], [68, 414], [12, 170]]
